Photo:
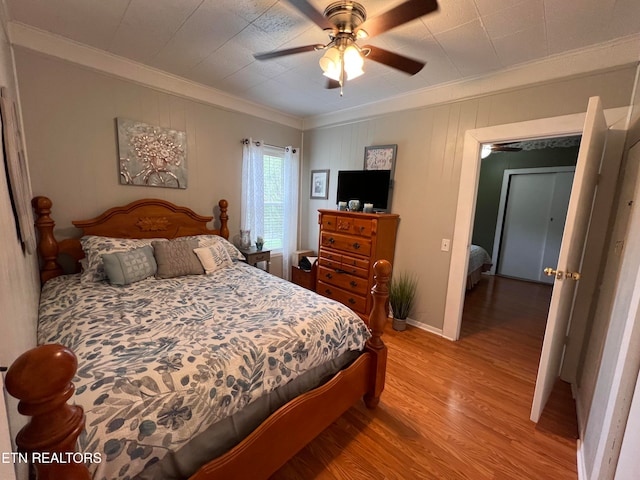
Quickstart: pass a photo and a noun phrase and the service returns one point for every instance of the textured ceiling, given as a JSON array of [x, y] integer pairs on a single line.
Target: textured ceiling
[[212, 42]]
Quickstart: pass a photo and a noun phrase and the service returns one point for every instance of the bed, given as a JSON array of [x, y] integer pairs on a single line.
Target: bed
[[479, 262], [223, 374]]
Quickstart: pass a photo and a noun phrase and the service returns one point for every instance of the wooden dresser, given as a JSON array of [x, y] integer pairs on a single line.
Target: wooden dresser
[[350, 243]]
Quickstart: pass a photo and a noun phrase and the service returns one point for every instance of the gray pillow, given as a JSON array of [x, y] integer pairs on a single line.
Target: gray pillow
[[123, 268], [176, 258]]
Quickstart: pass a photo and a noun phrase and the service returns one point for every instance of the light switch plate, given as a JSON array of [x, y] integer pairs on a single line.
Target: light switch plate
[[446, 242]]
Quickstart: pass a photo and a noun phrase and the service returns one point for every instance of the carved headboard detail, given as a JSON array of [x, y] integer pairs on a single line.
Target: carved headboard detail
[[146, 218]]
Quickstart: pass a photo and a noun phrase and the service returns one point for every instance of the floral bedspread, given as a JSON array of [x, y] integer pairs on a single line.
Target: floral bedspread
[[478, 257], [161, 360]]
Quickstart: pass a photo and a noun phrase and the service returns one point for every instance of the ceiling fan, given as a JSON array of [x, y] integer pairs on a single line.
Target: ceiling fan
[[488, 148], [346, 22]]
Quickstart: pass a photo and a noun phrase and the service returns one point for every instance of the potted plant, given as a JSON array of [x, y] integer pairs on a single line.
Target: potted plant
[[259, 243], [402, 293]]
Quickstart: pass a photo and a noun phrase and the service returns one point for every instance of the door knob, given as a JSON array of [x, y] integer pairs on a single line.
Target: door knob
[[572, 276], [551, 273]]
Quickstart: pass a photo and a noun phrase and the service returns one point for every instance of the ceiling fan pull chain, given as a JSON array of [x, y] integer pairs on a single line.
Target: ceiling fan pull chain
[[341, 71]]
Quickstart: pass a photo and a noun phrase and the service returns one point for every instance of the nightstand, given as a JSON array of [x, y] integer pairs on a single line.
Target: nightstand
[[253, 256]]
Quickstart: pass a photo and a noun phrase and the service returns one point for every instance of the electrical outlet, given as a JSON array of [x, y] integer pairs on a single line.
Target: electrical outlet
[[446, 242]]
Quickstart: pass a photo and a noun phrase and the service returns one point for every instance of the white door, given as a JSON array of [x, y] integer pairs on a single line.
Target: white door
[[570, 258], [534, 218]]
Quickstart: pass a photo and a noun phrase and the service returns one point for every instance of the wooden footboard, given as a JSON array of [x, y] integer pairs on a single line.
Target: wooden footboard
[[41, 380]]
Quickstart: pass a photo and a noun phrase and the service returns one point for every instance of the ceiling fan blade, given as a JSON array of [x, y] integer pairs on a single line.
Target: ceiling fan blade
[[331, 83], [504, 148], [287, 51], [394, 60], [403, 13], [312, 14]]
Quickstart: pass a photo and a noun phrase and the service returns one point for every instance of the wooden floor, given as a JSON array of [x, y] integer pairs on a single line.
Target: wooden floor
[[456, 410]]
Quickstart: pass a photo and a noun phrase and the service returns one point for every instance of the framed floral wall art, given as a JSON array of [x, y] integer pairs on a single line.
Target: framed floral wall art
[[151, 156]]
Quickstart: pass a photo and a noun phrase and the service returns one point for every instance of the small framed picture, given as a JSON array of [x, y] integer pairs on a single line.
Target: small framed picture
[[320, 184], [380, 157]]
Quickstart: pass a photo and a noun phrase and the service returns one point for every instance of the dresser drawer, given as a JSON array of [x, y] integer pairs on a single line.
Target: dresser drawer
[[356, 302], [361, 263], [347, 243], [355, 266], [343, 280], [355, 226], [329, 222], [332, 264]]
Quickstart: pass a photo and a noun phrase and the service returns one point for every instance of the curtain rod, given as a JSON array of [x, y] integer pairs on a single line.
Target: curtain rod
[[245, 141]]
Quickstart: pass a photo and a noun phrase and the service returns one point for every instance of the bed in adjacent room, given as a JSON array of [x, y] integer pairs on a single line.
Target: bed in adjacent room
[[479, 262], [190, 361]]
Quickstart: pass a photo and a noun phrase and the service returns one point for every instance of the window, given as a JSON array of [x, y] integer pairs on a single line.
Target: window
[[274, 198], [269, 207]]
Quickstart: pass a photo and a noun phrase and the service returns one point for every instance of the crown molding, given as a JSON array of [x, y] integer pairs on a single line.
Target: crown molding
[[56, 46], [603, 56]]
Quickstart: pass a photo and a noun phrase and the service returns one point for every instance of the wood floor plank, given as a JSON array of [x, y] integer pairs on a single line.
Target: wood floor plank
[[456, 410]]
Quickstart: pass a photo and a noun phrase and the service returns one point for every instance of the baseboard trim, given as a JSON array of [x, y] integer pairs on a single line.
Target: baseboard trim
[[425, 327], [582, 468]]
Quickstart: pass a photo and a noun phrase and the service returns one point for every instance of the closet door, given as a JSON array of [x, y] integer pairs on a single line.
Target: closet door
[[557, 217], [533, 223]]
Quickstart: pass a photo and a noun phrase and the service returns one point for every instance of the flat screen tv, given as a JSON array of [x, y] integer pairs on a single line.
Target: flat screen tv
[[368, 186]]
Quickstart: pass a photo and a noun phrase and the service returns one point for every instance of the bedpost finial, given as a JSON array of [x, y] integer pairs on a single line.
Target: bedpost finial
[[39, 375], [41, 379], [224, 218], [380, 293], [41, 203]]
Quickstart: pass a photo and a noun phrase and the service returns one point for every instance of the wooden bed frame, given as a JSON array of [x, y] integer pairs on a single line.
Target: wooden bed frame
[[41, 377]]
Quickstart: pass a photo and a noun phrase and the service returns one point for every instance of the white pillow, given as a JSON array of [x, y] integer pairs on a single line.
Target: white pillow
[[208, 240], [213, 257]]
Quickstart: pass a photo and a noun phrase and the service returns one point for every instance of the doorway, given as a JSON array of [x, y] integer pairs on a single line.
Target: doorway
[[594, 126]]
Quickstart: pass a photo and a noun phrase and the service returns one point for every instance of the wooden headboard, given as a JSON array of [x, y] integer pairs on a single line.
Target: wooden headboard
[[146, 218]]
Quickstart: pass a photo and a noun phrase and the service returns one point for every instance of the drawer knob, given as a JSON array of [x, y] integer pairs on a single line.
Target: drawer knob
[[353, 283], [328, 291], [352, 301], [356, 245], [328, 275], [331, 240]]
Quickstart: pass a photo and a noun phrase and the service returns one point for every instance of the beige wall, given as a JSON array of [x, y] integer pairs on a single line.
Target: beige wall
[[430, 142], [69, 115], [19, 283]]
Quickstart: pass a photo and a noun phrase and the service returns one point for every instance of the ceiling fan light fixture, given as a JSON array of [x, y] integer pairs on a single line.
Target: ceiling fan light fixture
[[353, 62], [330, 63], [486, 150]]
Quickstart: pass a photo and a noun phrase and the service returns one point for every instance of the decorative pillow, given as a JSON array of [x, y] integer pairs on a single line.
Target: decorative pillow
[[95, 246], [209, 240], [175, 258], [123, 268], [214, 257]]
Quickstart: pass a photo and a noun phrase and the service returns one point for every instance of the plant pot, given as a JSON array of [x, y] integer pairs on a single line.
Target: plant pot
[[399, 324]]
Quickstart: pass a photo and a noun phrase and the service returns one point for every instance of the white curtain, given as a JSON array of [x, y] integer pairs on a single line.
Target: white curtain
[[291, 182], [252, 204]]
